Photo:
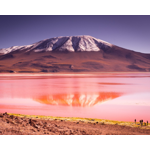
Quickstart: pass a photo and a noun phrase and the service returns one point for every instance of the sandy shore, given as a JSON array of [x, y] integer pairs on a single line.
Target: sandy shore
[[16, 124]]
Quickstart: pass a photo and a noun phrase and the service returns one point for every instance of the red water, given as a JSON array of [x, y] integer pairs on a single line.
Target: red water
[[113, 96]]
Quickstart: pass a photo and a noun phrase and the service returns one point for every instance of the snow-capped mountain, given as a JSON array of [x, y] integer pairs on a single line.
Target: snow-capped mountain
[[67, 43], [72, 54]]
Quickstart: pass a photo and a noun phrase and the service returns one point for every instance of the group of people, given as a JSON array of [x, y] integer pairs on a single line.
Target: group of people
[[141, 122]]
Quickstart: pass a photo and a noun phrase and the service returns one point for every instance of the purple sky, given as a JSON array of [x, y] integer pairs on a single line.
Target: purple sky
[[131, 32]]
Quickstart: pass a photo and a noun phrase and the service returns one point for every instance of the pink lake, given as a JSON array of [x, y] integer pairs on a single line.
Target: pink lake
[[112, 96]]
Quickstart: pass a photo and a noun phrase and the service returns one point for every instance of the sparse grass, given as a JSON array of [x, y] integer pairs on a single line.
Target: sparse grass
[[86, 120]]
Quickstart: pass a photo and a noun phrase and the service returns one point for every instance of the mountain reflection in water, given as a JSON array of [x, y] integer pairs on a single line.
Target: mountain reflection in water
[[81, 100], [112, 96]]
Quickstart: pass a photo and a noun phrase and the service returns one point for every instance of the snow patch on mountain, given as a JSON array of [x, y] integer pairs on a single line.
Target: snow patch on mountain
[[14, 48], [67, 43]]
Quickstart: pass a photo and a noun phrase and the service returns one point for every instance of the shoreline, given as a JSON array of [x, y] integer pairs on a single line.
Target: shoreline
[[19, 124], [85, 120], [77, 74]]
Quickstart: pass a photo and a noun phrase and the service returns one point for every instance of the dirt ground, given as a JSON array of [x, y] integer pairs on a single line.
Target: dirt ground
[[14, 125]]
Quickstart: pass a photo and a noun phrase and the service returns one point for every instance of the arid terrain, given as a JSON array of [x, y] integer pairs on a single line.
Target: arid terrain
[[16, 125], [72, 62]]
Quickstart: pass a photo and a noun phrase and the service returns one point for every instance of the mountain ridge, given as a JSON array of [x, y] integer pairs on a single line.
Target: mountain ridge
[[66, 43], [72, 54]]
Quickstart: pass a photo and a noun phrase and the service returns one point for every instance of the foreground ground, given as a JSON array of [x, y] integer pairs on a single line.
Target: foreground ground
[[24, 125]]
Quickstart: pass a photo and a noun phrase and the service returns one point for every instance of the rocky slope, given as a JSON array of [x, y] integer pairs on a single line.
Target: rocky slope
[[72, 54], [15, 125]]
